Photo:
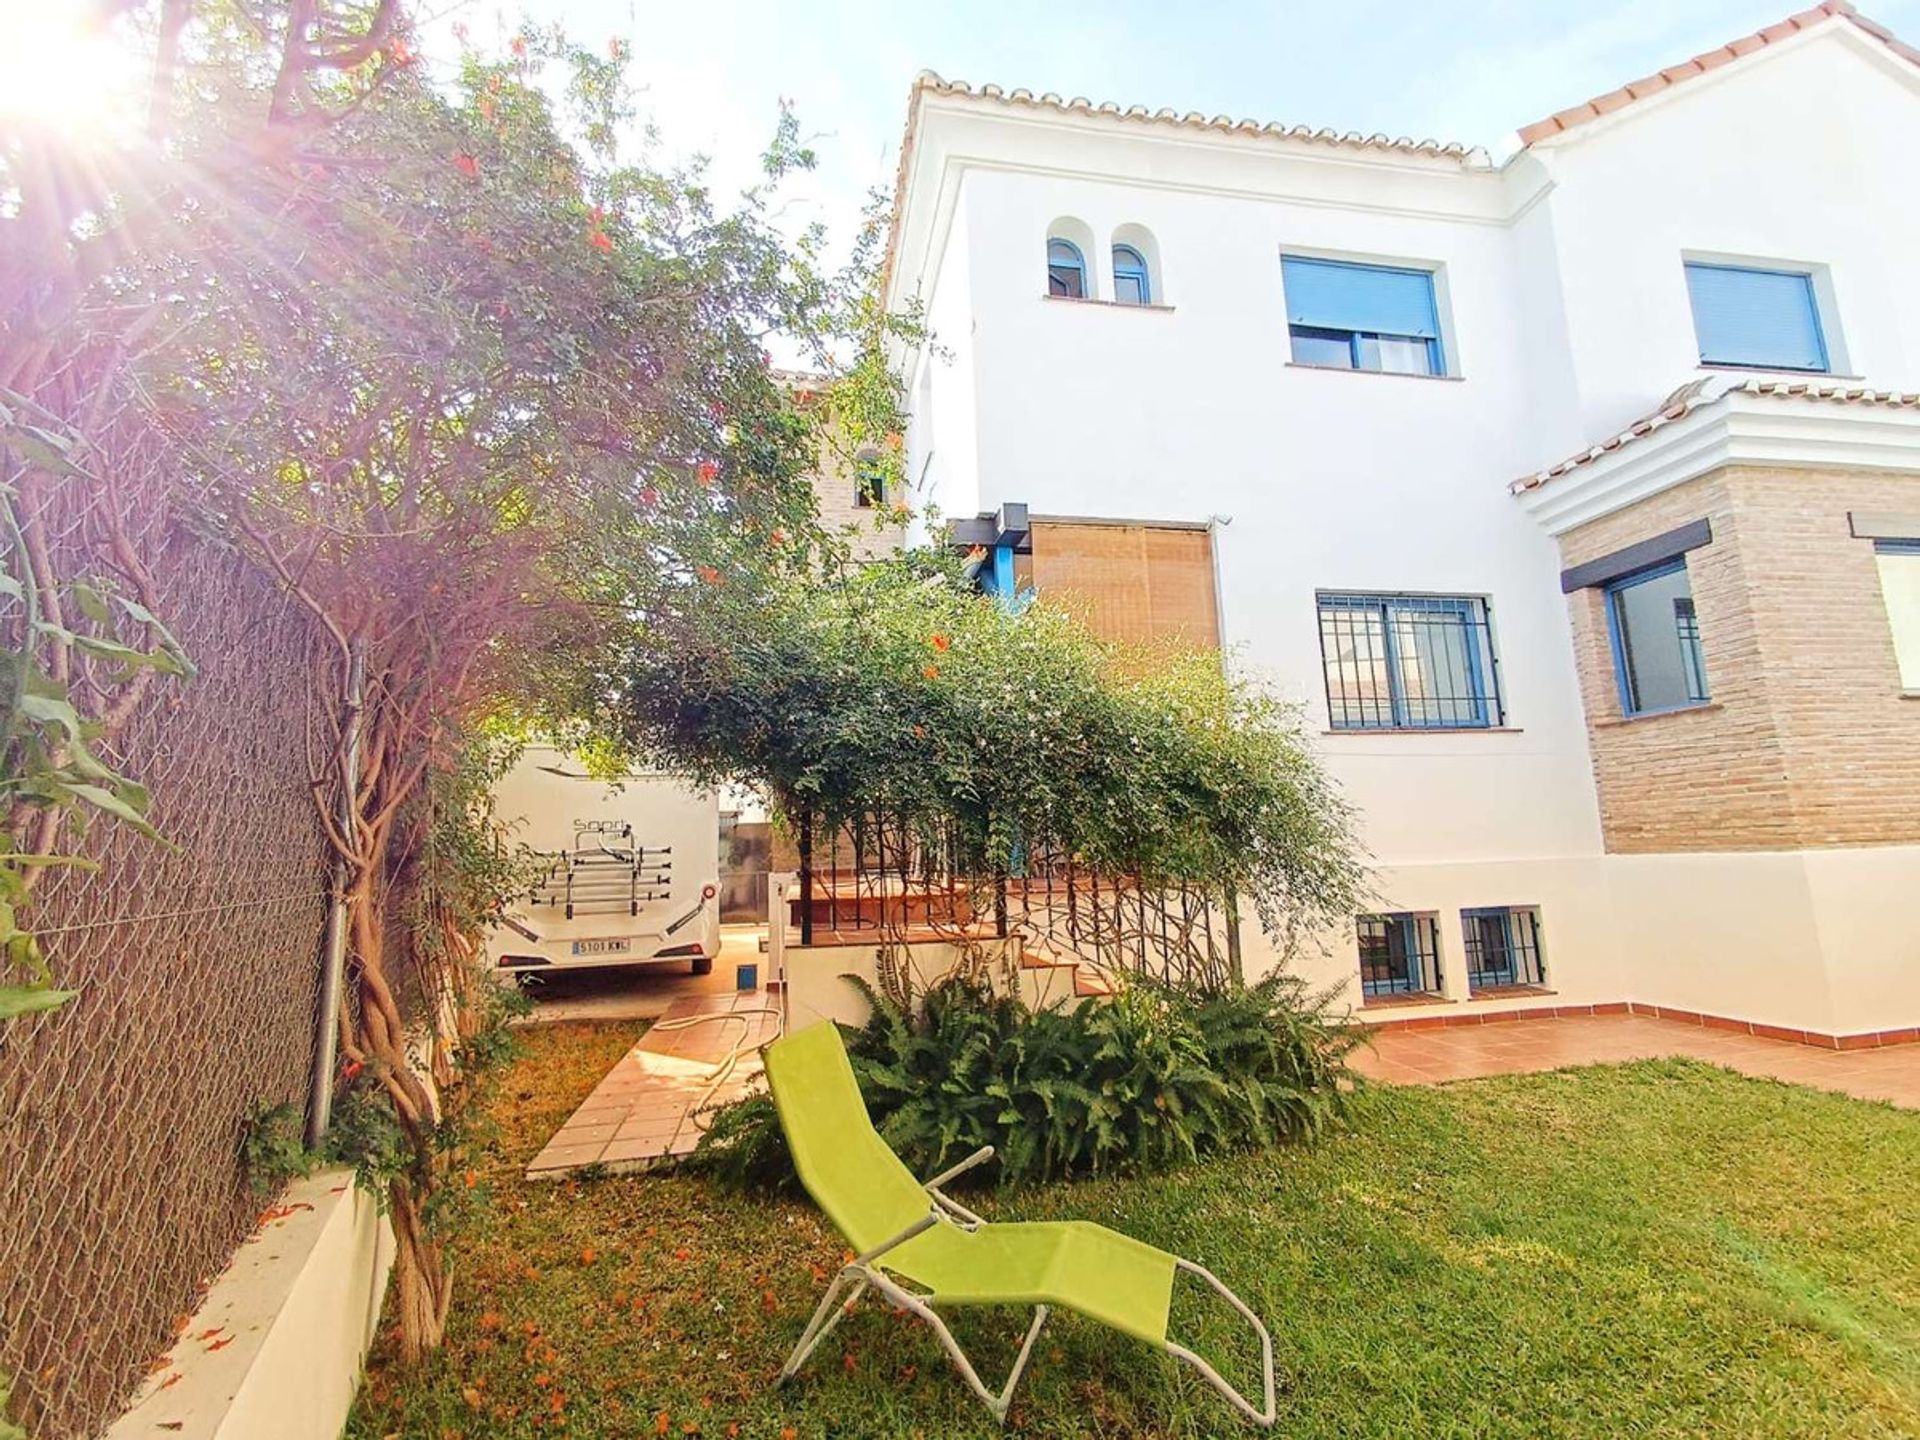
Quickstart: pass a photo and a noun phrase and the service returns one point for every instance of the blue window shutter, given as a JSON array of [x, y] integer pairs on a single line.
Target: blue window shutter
[[1367, 299], [1764, 318]]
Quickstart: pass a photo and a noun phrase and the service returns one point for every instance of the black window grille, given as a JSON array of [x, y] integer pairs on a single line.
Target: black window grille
[[1503, 946], [1399, 954], [1409, 662]]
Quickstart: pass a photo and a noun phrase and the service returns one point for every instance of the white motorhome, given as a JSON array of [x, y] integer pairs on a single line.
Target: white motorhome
[[632, 873]]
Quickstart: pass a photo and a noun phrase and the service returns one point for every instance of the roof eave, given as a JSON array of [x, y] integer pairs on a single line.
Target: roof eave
[[1706, 426]]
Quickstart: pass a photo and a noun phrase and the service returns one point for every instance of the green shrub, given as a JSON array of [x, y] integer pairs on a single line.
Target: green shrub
[[1154, 1077]]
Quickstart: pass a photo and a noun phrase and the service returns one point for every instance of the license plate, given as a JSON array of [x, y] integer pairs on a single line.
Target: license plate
[[619, 946]]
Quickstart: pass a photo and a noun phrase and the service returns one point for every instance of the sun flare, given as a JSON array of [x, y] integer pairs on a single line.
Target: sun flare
[[61, 68]]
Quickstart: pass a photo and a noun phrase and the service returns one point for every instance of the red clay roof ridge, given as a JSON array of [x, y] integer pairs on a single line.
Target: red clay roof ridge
[[1565, 120], [1193, 119]]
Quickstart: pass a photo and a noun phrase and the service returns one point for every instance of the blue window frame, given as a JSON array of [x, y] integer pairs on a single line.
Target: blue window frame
[[1066, 270], [1408, 662], [1131, 283], [1760, 319], [1655, 633], [1399, 954], [1362, 317], [1503, 946]]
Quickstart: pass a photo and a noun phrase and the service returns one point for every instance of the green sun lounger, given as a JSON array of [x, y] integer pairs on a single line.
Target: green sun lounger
[[906, 1231]]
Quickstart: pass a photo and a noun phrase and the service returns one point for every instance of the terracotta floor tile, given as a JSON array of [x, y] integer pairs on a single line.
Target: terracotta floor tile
[[1465, 1052]]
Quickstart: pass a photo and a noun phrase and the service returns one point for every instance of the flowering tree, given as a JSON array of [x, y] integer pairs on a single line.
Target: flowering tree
[[896, 691], [471, 381], [82, 646], [471, 392]]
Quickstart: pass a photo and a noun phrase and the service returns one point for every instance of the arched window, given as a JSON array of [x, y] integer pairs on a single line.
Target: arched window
[[1131, 284], [1066, 270]]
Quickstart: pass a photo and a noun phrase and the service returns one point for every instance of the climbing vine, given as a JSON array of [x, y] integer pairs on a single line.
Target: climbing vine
[[78, 652]]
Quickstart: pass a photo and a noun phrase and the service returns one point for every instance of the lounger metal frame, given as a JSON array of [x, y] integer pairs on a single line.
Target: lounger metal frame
[[861, 1273]]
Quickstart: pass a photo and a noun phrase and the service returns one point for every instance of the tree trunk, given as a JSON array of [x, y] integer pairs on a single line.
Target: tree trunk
[[422, 1279]]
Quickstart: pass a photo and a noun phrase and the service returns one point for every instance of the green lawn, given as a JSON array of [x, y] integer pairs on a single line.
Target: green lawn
[[1651, 1249]]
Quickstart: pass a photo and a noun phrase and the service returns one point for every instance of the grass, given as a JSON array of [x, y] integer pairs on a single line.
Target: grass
[[1653, 1249]]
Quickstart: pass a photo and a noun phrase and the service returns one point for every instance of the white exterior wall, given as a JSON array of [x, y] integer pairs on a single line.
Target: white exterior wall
[[1565, 315], [1803, 155], [1333, 480]]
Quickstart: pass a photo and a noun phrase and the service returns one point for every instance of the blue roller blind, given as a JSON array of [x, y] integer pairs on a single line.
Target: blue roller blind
[[1366, 299], [1764, 318]]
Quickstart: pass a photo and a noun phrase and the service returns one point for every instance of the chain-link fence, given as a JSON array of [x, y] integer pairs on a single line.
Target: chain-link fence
[[196, 961]]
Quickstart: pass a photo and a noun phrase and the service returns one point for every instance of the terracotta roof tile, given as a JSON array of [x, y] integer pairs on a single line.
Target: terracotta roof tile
[[928, 83], [1564, 120], [1706, 391], [1193, 119]]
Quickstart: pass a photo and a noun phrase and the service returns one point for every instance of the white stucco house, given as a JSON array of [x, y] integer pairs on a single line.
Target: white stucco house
[[1575, 495]]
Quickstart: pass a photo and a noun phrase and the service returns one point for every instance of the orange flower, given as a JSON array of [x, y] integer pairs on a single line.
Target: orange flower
[[466, 164], [598, 239], [709, 472], [940, 642], [919, 732], [519, 46], [932, 672], [649, 496], [708, 576], [779, 536]]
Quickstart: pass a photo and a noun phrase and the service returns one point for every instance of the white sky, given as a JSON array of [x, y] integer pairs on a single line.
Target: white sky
[[713, 71]]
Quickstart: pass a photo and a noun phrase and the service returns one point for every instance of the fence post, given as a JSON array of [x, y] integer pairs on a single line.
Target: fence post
[[333, 971], [806, 877], [1234, 966]]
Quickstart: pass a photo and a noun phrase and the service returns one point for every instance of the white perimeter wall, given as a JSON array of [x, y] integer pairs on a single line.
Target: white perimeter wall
[[1820, 940]]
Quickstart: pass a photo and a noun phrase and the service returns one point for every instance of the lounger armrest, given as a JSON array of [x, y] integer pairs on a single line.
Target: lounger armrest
[[979, 1157], [925, 1222]]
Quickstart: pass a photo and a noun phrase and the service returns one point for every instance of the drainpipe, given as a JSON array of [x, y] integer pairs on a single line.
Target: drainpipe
[[326, 1045]]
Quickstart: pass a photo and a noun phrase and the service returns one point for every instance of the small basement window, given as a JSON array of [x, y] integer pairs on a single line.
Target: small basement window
[[1347, 316], [1755, 318], [1399, 954], [1503, 946], [1655, 632]]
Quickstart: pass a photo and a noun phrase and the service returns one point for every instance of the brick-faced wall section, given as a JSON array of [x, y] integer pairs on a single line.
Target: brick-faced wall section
[[872, 532], [1807, 740]]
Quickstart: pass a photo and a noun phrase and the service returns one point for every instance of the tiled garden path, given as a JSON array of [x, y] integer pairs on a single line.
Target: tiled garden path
[[644, 1108], [1464, 1052]]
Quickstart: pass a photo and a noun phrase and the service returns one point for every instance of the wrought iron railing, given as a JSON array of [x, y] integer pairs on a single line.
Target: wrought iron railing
[[898, 881]]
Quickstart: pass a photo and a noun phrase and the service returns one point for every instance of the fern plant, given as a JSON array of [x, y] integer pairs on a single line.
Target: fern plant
[[1154, 1077]]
